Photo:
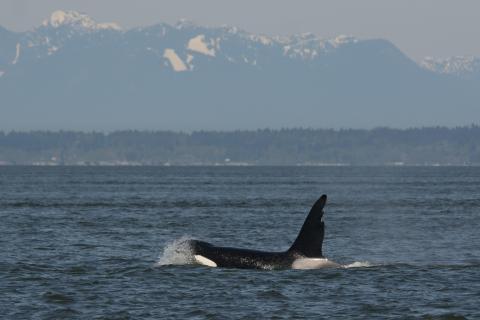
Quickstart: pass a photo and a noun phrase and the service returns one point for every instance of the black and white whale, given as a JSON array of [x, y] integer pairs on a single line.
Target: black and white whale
[[305, 252]]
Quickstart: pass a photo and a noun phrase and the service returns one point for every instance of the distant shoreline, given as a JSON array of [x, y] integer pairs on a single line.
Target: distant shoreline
[[428, 146], [243, 166]]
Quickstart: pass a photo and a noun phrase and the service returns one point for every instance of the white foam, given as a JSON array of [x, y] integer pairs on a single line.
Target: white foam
[[313, 263], [359, 264], [177, 252]]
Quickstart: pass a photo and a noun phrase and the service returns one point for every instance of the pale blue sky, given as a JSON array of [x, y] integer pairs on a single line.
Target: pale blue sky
[[420, 28]]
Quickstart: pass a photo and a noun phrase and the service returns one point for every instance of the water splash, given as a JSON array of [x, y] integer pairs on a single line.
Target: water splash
[[177, 252]]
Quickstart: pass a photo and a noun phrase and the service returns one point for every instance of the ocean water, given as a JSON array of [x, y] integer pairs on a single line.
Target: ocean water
[[100, 242]]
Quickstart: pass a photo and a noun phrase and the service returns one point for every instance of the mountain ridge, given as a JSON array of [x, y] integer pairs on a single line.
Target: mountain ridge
[[186, 76]]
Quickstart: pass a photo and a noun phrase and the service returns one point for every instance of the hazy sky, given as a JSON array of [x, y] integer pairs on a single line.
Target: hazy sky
[[420, 28]]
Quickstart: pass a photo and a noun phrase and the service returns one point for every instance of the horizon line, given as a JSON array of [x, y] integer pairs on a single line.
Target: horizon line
[[107, 132]]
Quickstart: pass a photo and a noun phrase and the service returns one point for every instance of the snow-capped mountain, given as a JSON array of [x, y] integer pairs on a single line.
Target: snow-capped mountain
[[175, 46], [77, 20], [72, 72]]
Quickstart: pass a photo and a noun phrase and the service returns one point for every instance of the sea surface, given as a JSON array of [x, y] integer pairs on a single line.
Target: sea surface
[[100, 242]]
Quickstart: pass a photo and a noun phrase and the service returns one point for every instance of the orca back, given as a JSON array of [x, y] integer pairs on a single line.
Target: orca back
[[310, 239]]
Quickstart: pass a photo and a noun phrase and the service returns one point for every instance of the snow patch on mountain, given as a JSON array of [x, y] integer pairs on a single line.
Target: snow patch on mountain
[[76, 19], [198, 44], [266, 41], [343, 40], [52, 50], [458, 65], [185, 24], [308, 46], [17, 54], [177, 64]]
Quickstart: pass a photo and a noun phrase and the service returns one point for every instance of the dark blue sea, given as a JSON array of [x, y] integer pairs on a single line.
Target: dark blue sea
[[99, 242]]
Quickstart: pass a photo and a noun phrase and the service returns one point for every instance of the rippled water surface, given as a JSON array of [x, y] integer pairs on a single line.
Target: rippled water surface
[[96, 243]]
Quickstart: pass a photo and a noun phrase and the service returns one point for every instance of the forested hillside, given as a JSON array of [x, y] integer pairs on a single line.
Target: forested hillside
[[381, 146]]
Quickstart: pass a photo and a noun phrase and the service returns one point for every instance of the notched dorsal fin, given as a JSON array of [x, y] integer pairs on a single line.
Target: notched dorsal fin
[[310, 239]]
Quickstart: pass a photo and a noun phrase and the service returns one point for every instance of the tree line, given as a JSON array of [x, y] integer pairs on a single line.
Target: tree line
[[297, 146]]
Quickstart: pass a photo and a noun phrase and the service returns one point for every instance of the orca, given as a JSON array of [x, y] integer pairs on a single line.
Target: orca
[[305, 252]]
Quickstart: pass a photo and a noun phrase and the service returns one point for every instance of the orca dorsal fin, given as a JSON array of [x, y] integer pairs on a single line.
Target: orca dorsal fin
[[310, 239]]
